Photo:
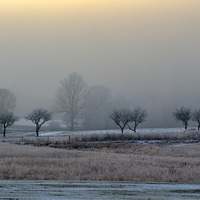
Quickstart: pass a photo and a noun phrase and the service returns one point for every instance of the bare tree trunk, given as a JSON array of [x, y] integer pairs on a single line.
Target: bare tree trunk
[[122, 128], [1, 128], [4, 131], [72, 124], [37, 130], [135, 128], [185, 126]]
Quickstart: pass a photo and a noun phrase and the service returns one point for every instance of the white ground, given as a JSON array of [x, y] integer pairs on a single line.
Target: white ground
[[53, 190]]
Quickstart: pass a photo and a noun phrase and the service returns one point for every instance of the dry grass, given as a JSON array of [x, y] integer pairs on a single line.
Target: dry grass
[[186, 135], [105, 137], [131, 162]]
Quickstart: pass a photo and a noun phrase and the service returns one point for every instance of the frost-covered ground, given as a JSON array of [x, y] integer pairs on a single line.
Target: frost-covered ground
[[23, 122], [53, 190], [18, 132], [140, 130]]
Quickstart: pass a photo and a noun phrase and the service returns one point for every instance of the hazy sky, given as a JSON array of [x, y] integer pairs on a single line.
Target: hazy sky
[[147, 49]]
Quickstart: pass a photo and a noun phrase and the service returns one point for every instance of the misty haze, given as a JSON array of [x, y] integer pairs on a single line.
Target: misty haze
[[146, 53], [100, 99]]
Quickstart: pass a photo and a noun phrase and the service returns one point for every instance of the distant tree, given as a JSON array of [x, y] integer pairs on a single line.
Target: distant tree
[[137, 116], [7, 100], [39, 117], [99, 106], [54, 125], [183, 114], [121, 117], [7, 119], [196, 117], [71, 98]]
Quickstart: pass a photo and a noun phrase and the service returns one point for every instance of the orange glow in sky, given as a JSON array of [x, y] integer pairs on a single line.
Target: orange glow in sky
[[29, 7]]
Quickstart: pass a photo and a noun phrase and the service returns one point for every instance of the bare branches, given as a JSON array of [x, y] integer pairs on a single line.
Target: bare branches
[[7, 119], [99, 106], [183, 114], [7, 100], [138, 116], [39, 117], [123, 117], [196, 117], [71, 97]]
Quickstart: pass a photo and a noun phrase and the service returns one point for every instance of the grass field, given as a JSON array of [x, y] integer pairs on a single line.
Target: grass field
[[125, 162]]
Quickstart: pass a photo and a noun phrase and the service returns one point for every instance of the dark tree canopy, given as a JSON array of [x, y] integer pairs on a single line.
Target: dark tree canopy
[[183, 114], [71, 98], [7, 119], [196, 117], [39, 117]]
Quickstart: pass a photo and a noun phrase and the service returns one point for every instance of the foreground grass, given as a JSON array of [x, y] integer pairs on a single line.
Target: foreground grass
[[128, 162]]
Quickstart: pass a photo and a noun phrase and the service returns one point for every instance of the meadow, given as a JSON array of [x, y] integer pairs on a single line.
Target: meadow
[[122, 161]]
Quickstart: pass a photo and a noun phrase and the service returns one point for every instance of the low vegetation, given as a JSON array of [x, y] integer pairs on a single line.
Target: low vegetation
[[181, 137], [115, 161], [108, 139]]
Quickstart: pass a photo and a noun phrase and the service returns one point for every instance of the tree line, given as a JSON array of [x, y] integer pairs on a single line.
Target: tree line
[[7, 118], [80, 104], [123, 117], [88, 106], [185, 114]]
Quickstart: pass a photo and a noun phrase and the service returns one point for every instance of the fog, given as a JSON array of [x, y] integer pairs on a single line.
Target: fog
[[146, 52]]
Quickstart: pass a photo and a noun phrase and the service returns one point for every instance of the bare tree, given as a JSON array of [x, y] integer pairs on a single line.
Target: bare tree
[[99, 106], [196, 117], [183, 114], [39, 117], [137, 116], [121, 117], [7, 100], [54, 125], [71, 98], [7, 119]]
